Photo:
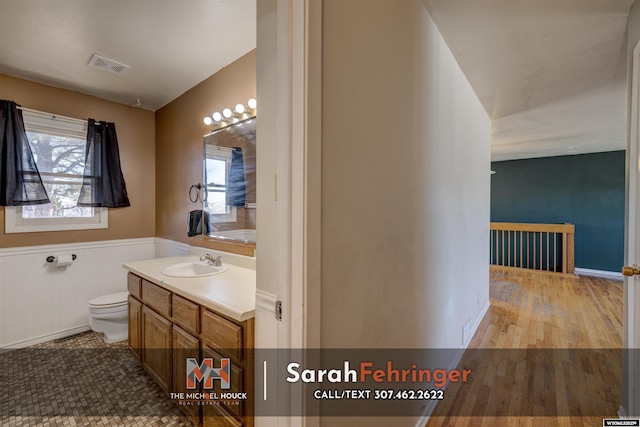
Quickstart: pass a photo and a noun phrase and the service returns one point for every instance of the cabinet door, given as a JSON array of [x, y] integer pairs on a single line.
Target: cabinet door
[[185, 345], [237, 385], [135, 311], [156, 347]]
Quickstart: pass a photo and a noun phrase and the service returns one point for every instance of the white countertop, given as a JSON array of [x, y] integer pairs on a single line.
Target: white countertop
[[231, 293]]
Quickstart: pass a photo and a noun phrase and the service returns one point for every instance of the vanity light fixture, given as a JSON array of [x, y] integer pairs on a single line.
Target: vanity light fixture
[[228, 116]]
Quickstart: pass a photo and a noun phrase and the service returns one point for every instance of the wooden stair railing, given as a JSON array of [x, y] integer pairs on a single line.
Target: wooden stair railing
[[541, 247]]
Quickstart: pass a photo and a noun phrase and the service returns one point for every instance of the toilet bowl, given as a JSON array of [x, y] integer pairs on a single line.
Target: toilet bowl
[[108, 314]]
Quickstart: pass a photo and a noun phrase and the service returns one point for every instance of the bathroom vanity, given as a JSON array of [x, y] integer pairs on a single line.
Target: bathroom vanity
[[175, 318]]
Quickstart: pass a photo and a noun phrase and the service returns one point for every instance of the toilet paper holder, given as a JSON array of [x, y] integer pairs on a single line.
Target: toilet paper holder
[[51, 258]]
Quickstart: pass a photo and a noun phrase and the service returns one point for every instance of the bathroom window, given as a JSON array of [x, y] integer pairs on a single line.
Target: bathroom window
[[58, 147], [217, 164]]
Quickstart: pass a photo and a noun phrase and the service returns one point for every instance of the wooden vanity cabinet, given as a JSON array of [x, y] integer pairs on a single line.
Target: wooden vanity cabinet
[[165, 328]]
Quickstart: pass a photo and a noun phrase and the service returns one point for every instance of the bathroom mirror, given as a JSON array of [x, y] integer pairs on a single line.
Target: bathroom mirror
[[230, 181]]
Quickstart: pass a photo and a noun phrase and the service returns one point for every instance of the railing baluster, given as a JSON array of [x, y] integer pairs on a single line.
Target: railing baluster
[[521, 263], [528, 233], [547, 234], [540, 250], [502, 247], [555, 259], [490, 246], [535, 250], [509, 248]]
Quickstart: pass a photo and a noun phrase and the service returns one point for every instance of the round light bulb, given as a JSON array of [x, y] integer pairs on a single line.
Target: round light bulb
[[227, 113], [208, 120], [217, 116], [239, 108], [252, 103]]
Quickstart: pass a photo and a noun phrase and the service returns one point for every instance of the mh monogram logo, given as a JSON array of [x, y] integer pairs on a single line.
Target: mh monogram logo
[[205, 371]]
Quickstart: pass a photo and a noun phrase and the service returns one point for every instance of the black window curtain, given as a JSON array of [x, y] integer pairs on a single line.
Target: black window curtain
[[103, 184], [236, 188], [20, 181]]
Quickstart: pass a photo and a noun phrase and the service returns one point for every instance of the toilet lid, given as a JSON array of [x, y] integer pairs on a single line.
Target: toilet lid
[[111, 299]]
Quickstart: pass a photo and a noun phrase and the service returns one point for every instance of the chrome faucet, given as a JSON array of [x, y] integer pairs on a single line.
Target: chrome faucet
[[216, 262]]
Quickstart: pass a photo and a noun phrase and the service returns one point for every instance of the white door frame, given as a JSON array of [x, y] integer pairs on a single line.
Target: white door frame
[[631, 340], [293, 165]]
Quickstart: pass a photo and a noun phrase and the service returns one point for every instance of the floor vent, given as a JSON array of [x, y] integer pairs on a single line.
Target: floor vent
[[107, 64]]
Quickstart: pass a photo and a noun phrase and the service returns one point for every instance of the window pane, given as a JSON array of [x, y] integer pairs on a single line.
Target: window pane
[[63, 203], [60, 161], [216, 172], [57, 154], [216, 203]]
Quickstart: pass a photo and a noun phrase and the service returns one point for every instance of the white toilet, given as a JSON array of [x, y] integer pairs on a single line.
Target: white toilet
[[108, 314]]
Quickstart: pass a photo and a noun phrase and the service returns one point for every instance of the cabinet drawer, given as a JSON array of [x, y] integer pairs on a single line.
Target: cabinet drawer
[[133, 285], [222, 334], [186, 313], [156, 297]]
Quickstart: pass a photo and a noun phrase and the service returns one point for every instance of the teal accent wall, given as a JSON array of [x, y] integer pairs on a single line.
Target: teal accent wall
[[587, 190]]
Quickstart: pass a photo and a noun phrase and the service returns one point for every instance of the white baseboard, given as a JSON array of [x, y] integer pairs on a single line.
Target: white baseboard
[[476, 325], [45, 338], [431, 405], [611, 275]]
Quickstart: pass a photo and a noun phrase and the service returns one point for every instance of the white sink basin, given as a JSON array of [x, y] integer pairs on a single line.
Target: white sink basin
[[193, 269]]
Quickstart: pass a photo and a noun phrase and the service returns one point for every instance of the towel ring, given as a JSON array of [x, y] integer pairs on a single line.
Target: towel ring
[[200, 193]]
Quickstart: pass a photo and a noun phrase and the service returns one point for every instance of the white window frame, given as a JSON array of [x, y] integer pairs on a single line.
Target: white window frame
[[221, 153], [35, 121]]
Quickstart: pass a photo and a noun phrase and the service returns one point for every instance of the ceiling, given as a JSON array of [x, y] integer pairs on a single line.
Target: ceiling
[[170, 45], [551, 74]]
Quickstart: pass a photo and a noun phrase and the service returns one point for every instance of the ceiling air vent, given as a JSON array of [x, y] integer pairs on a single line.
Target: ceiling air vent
[[107, 64]]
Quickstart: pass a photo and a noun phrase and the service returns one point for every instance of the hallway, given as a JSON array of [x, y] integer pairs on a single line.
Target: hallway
[[548, 352]]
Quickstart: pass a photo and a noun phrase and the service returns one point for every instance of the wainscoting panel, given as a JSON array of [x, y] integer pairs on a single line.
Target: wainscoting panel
[[40, 301]]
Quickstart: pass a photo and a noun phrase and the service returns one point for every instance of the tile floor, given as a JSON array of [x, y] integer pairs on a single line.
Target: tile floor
[[81, 381]]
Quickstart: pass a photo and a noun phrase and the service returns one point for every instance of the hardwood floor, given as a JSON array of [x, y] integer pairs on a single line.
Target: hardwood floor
[[547, 353]]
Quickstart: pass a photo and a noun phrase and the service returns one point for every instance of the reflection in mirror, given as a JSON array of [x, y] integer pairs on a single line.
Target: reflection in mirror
[[230, 179]]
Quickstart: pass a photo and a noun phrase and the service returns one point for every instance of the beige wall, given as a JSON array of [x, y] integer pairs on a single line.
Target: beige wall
[[405, 182], [136, 139], [179, 141]]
